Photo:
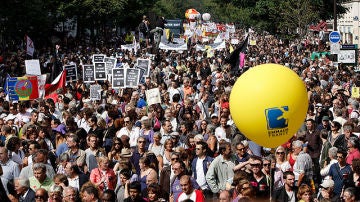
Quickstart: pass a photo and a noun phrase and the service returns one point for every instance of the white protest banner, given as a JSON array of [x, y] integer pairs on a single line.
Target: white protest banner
[[118, 78], [100, 71], [95, 92], [41, 85], [335, 48], [132, 77], [145, 65], [88, 73], [32, 67], [71, 73], [98, 58], [153, 96], [110, 63]]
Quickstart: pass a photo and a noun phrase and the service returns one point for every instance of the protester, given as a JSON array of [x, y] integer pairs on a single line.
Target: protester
[[188, 131]]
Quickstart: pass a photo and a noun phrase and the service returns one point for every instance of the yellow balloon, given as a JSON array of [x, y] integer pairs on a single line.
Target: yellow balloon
[[268, 104]]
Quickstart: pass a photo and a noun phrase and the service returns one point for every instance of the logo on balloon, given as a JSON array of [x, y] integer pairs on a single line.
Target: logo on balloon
[[277, 120]]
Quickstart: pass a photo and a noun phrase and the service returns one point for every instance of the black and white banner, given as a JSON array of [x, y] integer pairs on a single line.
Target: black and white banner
[[71, 73], [88, 73], [95, 92], [118, 78], [100, 71], [98, 58], [145, 65], [132, 77]]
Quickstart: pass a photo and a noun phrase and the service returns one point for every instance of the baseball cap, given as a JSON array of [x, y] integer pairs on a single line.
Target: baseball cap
[[327, 183]]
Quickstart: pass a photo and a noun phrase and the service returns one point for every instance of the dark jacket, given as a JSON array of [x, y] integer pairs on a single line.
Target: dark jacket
[[165, 181], [280, 195], [314, 143], [206, 164], [30, 196], [83, 179]]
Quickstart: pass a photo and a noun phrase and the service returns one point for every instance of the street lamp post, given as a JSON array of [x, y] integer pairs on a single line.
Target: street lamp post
[[335, 17]]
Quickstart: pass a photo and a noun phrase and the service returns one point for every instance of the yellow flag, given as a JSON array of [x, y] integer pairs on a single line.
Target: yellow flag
[[231, 48], [355, 92], [167, 32], [209, 51]]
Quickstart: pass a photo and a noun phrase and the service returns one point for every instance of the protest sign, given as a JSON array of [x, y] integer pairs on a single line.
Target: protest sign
[[145, 65], [100, 71], [22, 88], [88, 73], [153, 96], [32, 67], [95, 92], [132, 77], [71, 73], [355, 92], [118, 78], [108, 67], [41, 85], [98, 58]]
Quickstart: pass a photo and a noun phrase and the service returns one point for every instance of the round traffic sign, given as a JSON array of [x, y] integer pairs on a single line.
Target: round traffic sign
[[334, 37]]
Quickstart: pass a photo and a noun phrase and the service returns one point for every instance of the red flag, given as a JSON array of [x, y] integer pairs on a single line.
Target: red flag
[[58, 83]]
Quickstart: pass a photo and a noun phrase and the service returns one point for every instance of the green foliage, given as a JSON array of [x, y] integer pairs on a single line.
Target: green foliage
[[37, 18]]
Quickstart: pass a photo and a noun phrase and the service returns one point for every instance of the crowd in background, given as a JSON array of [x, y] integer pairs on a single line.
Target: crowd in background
[[187, 148]]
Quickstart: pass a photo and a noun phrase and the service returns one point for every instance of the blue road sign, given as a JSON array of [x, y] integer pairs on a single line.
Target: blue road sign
[[334, 37]]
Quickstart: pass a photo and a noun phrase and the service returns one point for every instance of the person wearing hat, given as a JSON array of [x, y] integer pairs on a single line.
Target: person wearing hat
[[325, 124], [327, 191], [214, 120]]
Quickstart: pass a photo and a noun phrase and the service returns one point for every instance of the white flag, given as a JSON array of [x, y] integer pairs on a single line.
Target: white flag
[[29, 46], [135, 45]]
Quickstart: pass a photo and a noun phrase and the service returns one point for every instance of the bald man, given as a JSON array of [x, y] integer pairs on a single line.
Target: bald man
[[188, 191]]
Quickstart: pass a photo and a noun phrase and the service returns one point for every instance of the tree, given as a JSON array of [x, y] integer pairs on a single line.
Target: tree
[[297, 15]]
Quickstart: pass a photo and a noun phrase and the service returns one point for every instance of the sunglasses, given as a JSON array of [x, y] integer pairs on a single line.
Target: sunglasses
[[339, 157], [117, 143], [175, 159], [141, 141], [280, 152], [255, 165], [266, 164], [241, 149]]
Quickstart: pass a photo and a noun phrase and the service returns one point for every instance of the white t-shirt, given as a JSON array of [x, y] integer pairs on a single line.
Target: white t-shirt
[[183, 196], [200, 175], [74, 182]]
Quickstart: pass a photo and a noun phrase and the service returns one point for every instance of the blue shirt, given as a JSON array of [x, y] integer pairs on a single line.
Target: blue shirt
[[337, 175], [141, 103], [61, 149]]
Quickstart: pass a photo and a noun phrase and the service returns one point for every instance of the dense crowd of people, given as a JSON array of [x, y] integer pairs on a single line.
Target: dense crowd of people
[[186, 148]]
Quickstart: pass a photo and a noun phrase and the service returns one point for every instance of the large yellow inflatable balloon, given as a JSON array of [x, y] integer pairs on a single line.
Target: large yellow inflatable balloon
[[268, 104]]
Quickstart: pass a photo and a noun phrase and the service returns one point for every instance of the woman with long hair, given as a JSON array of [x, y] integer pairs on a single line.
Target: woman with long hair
[[114, 154], [354, 178], [281, 165], [166, 153], [145, 171], [156, 145], [146, 131], [44, 135], [213, 144], [154, 193]]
